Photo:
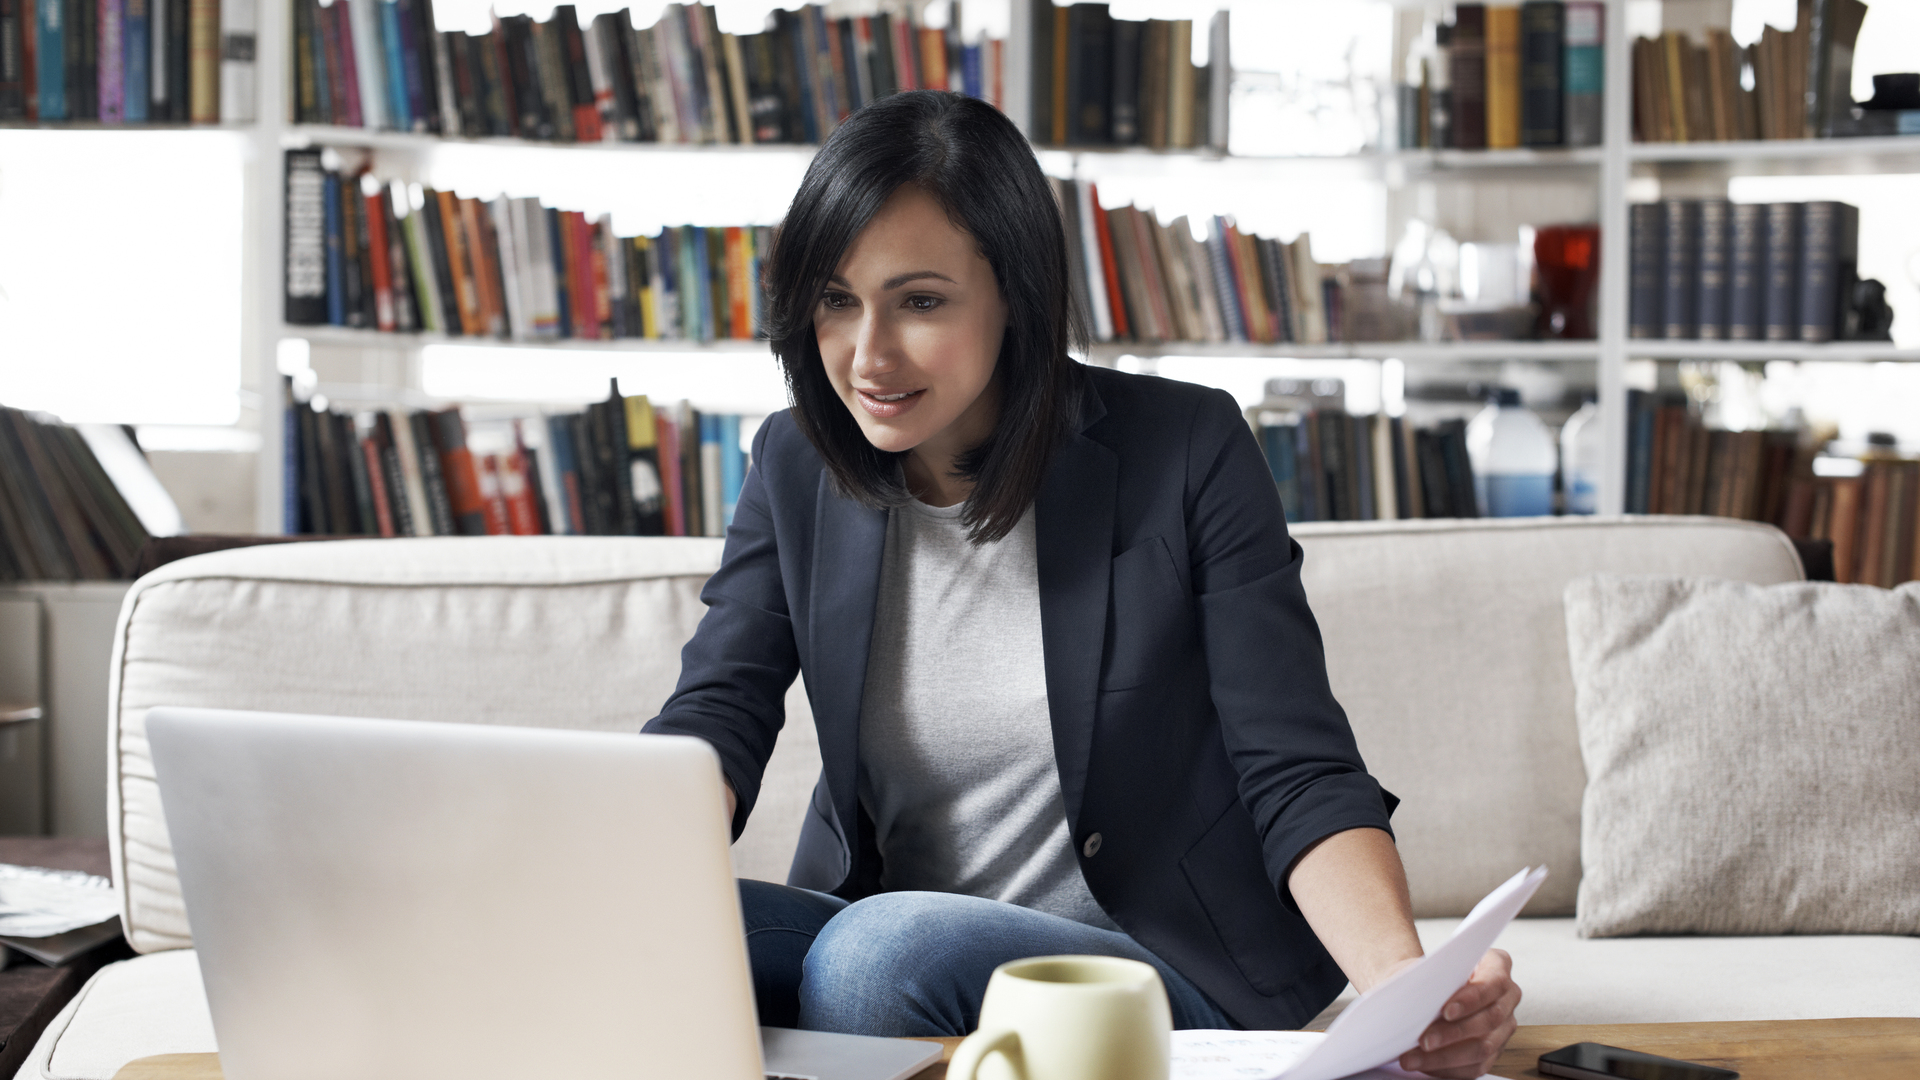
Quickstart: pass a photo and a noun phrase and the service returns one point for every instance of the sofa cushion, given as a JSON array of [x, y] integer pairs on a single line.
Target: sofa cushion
[[580, 632], [137, 1008], [1567, 979], [1446, 644], [1752, 753]]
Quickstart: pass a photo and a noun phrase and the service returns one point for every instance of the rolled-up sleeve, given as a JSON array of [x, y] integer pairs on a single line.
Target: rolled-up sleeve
[[1300, 772], [735, 671]]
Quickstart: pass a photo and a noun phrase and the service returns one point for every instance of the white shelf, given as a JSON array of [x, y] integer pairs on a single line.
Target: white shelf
[[1850, 351], [98, 125], [1783, 157], [296, 135], [345, 337], [1409, 351]]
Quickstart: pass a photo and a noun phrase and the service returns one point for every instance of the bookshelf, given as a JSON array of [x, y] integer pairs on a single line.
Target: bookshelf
[[1611, 169]]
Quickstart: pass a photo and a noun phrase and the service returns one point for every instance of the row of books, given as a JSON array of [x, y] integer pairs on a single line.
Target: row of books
[[1714, 270], [1676, 465], [1138, 280], [61, 516], [1790, 84], [1502, 76], [127, 61], [371, 255], [1330, 465], [383, 64], [1102, 81], [620, 468], [1872, 520]]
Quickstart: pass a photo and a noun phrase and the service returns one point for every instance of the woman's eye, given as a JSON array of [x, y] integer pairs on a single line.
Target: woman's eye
[[923, 303], [835, 301]]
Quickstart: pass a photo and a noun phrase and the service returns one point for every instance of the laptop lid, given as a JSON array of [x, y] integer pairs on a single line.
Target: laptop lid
[[383, 898]]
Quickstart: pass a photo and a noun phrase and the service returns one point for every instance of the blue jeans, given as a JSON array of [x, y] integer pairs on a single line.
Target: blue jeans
[[913, 963]]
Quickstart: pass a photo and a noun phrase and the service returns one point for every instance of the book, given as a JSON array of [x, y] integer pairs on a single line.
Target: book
[[1646, 283], [1746, 269], [1583, 75], [1710, 271], [1783, 292], [1543, 54], [203, 87], [1468, 77], [1502, 76], [1829, 257]]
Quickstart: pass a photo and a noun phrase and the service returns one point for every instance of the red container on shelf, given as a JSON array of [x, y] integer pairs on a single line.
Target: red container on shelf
[[1566, 261]]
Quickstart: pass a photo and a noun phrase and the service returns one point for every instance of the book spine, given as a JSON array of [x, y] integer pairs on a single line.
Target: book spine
[[392, 68], [1746, 273], [1469, 77], [378, 261], [1828, 255], [1584, 72], [1224, 285], [1219, 80], [1783, 271], [305, 278], [458, 473], [1680, 222], [50, 58], [1710, 297], [1646, 223], [426, 280], [1503, 77], [1542, 72], [204, 90], [1124, 108]]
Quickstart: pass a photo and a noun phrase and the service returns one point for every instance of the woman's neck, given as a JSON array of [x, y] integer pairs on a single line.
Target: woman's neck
[[933, 467], [936, 484]]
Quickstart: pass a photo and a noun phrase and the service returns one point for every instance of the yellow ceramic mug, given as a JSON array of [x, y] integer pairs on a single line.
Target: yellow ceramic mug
[[1069, 1018]]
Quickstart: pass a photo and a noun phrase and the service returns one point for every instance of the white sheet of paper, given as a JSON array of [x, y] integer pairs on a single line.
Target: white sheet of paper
[[40, 903], [1386, 1021], [1238, 1055], [1252, 1055]]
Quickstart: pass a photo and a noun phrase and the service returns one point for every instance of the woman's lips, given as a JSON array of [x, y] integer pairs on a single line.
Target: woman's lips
[[889, 404]]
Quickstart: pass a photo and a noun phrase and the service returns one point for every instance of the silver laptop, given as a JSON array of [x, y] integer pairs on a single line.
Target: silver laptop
[[381, 898]]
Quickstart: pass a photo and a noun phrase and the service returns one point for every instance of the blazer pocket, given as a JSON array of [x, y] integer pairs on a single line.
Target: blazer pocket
[[1149, 616], [1227, 873]]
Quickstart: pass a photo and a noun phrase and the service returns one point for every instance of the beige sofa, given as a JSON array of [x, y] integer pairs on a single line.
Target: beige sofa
[[1445, 642]]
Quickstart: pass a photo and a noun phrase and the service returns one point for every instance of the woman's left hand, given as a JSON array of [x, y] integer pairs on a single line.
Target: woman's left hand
[[1474, 1025]]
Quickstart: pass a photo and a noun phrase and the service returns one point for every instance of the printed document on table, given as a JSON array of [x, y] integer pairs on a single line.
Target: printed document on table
[[1256, 1055], [1377, 1028]]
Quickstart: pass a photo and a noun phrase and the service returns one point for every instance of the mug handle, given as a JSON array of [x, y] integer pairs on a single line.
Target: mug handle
[[975, 1048]]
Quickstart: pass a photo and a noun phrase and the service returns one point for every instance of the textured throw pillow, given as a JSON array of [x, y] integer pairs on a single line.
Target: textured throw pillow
[[1752, 754]]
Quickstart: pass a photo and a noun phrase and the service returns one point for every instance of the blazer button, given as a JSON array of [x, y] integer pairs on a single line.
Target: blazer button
[[1092, 846]]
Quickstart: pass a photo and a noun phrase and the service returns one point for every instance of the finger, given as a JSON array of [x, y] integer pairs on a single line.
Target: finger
[[1477, 994], [1446, 1032], [1468, 1058]]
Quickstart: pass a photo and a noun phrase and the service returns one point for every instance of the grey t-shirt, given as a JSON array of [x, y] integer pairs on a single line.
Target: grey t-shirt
[[956, 744]]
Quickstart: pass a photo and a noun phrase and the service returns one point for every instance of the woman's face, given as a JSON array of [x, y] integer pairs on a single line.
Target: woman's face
[[910, 328]]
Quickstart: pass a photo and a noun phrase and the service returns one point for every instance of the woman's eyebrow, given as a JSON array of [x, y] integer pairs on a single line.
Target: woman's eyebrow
[[896, 280]]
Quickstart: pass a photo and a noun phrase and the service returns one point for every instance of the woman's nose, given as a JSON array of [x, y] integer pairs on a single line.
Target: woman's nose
[[875, 350]]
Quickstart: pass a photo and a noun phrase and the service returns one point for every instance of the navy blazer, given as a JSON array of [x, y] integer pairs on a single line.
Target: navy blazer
[[1198, 742]]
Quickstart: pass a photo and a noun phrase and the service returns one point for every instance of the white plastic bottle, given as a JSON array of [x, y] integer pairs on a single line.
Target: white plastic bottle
[[1513, 459], [1580, 453]]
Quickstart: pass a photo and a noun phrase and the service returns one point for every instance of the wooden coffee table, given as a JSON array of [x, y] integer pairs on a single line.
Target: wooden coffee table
[[1861, 1049]]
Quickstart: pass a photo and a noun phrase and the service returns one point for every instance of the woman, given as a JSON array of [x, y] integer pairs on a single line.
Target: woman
[[1069, 694]]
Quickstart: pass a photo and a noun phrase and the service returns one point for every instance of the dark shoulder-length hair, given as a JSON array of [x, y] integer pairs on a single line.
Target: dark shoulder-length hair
[[978, 167]]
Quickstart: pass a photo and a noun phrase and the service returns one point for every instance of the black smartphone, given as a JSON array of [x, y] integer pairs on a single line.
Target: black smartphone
[[1592, 1061]]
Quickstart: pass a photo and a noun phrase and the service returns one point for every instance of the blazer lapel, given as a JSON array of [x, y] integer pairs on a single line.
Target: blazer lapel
[[1073, 532], [849, 542]]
